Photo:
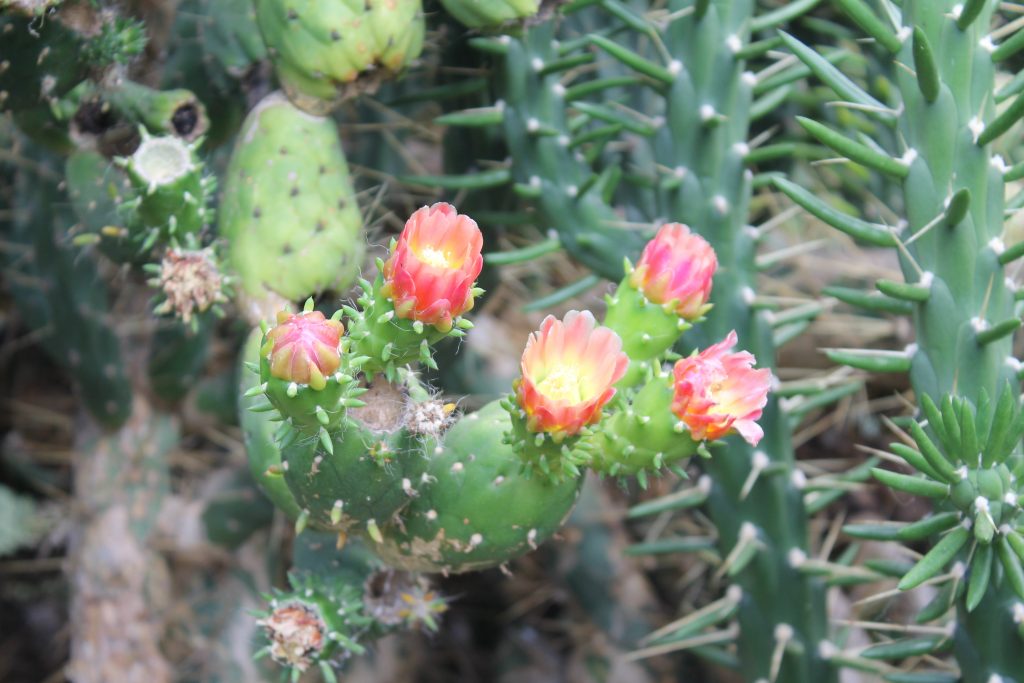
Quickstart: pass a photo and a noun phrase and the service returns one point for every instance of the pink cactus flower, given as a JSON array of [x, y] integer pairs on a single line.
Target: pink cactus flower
[[432, 268], [675, 269], [569, 369], [717, 392], [305, 348]]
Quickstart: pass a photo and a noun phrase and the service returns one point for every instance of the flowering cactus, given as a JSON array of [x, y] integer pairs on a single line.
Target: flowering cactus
[[717, 392], [433, 266], [663, 295], [569, 369], [428, 280]]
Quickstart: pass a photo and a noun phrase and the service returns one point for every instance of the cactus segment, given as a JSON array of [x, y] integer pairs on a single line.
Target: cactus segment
[[478, 510], [325, 51], [318, 620], [259, 432], [176, 113], [171, 194], [648, 330], [41, 62], [57, 286], [490, 13], [288, 209]]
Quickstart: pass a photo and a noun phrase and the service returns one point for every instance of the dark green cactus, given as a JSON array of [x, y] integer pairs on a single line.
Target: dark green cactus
[[474, 508], [56, 287]]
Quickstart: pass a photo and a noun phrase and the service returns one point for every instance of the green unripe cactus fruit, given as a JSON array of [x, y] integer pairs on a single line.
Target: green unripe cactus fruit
[[490, 13], [171, 195], [288, 209], [478, 511], [326, 50]]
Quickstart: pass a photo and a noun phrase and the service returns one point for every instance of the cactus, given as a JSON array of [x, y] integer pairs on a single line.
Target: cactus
[[954, 261], [288, 209], [475, 509], [54, 286], [702, 96], [490, 13], [325, 51]]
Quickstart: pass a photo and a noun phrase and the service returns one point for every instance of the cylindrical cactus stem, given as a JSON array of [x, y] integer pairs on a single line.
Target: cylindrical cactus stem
[[326, 51], [171, 195], [953, 257], [948, 120], [288, 209], [707, 187]]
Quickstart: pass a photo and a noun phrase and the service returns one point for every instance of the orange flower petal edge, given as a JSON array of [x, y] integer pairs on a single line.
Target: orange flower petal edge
[[676, 269], [430, 273], [717, 392], [569, 369]]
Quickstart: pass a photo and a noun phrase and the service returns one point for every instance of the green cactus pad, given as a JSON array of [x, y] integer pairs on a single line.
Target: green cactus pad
[[325, 50], [288, 209], [369, 472], [490, 13], [479, 510]]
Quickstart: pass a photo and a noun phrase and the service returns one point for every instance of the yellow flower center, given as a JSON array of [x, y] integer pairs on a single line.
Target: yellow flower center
[[564, 383], [434, 257]]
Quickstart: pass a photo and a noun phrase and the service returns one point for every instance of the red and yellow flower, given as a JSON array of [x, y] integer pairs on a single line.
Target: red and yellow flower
[[304, 348], [432, 268], [569, 369], [676, 269], [717, 392]]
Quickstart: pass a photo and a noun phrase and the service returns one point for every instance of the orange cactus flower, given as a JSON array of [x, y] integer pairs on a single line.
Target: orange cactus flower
[[569, 369], [675, 269], [433, 266], [304, 348], [717, 392]]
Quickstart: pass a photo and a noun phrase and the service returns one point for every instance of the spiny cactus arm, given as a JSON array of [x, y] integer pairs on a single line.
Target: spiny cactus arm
[[56, 287], [754, 495], [953, 258]]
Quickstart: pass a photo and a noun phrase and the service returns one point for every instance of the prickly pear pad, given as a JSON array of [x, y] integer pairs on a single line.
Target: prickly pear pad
[[479, 510], [490, 13], [288, 210]]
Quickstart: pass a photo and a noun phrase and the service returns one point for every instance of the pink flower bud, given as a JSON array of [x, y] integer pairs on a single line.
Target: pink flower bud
[[305, 348], [676, 269]]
